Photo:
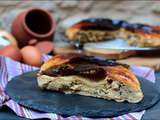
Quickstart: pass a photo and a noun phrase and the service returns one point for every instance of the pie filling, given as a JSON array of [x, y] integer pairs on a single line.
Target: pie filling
[[106, 88]]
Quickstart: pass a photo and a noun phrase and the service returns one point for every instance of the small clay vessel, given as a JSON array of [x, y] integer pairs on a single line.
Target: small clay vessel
[[34, 23]]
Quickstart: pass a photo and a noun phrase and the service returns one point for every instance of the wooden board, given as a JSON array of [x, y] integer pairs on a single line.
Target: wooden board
[[128, 57], [153, 62], [109, 54], [62, 46]]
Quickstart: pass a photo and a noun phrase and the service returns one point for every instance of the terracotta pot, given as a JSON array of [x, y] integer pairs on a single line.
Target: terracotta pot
[[33, 24]]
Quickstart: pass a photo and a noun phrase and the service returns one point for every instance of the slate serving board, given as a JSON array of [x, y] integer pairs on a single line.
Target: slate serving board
[[24, 90]]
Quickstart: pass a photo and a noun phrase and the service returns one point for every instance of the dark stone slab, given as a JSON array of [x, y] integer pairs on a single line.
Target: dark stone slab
[[154, 112], [24, 90]]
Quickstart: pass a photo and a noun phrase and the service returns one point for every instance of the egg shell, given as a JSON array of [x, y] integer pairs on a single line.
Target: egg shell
[[12, 52], [31, 56]]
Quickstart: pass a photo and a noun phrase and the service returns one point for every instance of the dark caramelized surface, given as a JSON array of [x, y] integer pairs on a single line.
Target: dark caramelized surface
[[85, 66], [101, 24], [111, 25]]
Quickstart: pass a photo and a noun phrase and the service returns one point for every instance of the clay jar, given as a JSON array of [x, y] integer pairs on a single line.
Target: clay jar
[[33, 25]]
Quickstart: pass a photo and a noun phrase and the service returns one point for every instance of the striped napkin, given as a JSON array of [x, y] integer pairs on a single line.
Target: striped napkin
[[10, 69]]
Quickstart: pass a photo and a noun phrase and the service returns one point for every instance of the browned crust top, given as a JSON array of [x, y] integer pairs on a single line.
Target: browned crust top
[[91, 68]]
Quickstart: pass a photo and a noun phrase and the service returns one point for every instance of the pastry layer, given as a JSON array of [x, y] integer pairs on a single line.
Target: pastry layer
[[90, 76]]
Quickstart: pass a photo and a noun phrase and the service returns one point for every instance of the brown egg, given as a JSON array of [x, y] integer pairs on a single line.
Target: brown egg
[[11, 51], [31, 56]]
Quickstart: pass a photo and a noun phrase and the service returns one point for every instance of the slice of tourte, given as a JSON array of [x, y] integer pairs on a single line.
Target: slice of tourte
[[90, 76]]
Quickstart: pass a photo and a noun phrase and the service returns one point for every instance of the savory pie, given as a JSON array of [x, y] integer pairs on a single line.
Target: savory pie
[[100, 29], [90, 76], [93, 30]]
